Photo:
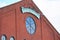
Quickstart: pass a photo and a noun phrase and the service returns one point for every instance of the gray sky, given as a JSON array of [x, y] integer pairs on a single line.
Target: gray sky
[[50, 8]]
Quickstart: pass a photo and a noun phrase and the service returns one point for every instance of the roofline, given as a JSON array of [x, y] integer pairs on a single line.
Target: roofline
[[14, 4], [51, 25]]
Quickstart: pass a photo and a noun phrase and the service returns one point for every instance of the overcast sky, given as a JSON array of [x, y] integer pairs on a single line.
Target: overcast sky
[[50, 8]]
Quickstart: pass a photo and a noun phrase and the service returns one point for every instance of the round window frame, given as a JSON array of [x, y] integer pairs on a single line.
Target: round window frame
[[34, 23], [12, 37], [4, 36]]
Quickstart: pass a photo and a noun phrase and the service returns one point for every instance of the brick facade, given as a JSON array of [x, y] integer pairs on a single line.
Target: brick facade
[[12, 23]]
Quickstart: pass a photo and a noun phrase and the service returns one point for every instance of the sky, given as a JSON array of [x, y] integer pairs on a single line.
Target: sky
[[50, 8], [7, 2]]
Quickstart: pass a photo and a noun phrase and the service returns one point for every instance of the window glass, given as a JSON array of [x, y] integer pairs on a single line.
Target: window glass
[[12, 38], [3, 37], [30, 25]]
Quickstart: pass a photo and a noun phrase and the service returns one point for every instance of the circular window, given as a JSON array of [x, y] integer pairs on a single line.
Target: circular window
[[3, 37], [30, 25], [11, 38]]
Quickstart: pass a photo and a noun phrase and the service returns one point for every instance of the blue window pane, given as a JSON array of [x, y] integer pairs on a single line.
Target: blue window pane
[[30, 25], [12, 38], [3, 37]]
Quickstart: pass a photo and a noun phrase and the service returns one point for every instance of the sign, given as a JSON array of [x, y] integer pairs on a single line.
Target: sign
[[31, 11]]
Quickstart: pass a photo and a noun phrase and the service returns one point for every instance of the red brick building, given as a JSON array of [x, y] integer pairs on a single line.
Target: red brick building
[[24, 21]]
